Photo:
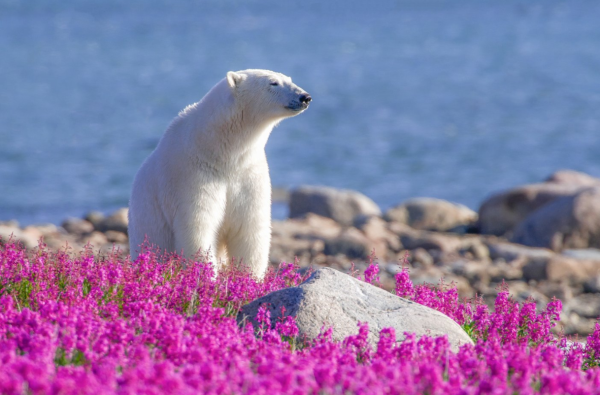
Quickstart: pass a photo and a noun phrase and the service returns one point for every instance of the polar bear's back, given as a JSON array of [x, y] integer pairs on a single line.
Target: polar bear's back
[[146, 215], [164, 175]]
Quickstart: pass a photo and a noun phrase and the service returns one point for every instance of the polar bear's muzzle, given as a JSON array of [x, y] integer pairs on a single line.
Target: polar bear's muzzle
[[301, 103]]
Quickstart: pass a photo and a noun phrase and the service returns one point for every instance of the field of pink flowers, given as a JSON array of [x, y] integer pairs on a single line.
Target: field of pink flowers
[[154, 326]]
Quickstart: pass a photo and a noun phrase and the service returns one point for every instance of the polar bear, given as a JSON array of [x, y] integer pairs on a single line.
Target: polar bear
[[206, 187]]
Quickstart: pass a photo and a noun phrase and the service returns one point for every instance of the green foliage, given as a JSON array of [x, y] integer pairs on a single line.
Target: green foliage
[[23, 292], [86, 288], [469, 328], [77, 358]]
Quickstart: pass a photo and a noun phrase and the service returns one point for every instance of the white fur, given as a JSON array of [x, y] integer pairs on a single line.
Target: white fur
[[206, 186]]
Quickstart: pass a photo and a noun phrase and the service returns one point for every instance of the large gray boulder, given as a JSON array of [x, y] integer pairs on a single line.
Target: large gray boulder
[[569, 222], [431, 214], [338, 204], [333, 299]]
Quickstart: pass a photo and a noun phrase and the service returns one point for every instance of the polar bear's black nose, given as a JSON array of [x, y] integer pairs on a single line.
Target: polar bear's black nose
[[305, 98]]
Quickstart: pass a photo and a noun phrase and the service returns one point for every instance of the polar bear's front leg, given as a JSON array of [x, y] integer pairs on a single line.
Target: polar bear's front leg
[[251, 245], [249, 222], [198, 222]]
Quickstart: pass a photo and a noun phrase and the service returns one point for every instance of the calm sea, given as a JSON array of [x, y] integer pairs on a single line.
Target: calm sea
[[452, 99]]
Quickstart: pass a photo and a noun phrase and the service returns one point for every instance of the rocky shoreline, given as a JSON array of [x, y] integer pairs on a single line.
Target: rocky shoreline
[[542, 240]]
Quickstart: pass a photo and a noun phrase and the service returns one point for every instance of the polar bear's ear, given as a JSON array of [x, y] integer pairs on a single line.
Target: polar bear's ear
[[233, 79]]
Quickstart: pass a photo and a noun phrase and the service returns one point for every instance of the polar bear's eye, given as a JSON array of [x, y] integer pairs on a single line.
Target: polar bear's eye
[[274, 83]]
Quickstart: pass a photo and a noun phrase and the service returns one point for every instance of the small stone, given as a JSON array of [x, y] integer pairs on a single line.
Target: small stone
[[512, 251], [353, 244], [280, 195], [585, 305], [77, 226], [553, 290], [421, 257], [431, 214], [116, 237], [117, 221], [30, 236], [311, 226], [592, 285], [96, 239], [506, 272], [583, 253], [95, 217], [477, 249], [9, 232], [430, 241], [376, 229], [338, 204], [46, 229]]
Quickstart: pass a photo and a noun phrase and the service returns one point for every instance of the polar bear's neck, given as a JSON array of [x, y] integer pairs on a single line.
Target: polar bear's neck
[[216, 129]]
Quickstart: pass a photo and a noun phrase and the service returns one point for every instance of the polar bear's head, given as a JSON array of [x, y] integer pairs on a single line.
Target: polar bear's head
[[270, 94]]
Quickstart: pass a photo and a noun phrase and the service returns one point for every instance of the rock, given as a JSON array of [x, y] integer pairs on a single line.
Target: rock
[[31, 236], [579, 325], [560, 268], [9, 231], [553, 290], [301, 237], [573, 177], [77, 226], [62, 241], [353, 244], [96, 239], [411, 239], [585, 305], [117, 221], [12, 223], [280, 195], [502, 212], [583, 253], [311, 226], [592, 285], [420, 257], [431, 214], [502, 271], [331, 298], [46, 229], [473, 272], [340, 205], [426, 275], [568, 222], [28, 236], [465, 229], [376, 229], [116, 237], [430, 241], [510, 252], [521, 292], [477, 249], [95, 217]]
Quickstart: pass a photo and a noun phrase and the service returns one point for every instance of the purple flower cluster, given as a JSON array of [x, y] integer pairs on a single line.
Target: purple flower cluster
[[161, 324]]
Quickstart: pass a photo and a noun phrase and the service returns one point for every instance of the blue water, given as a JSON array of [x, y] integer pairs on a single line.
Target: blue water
[[452, 99]]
